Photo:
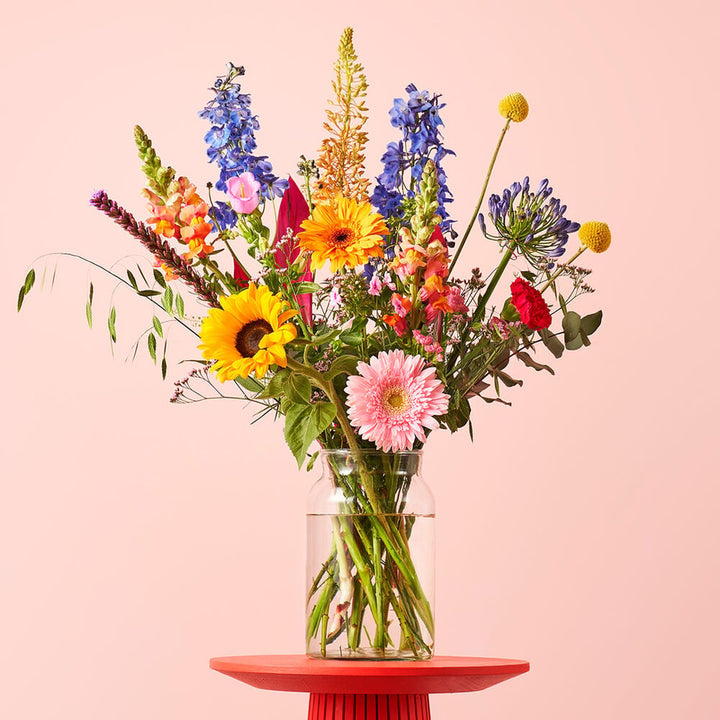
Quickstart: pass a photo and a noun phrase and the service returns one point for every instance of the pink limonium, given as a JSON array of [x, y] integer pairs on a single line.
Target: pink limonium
[[393, 399], [244, 193]]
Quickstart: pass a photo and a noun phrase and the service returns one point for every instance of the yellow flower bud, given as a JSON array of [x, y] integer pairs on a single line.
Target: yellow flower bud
[[595, 235], [514, 106]]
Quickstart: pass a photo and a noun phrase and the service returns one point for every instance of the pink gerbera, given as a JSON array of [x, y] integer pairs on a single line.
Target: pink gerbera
[[393, 398]]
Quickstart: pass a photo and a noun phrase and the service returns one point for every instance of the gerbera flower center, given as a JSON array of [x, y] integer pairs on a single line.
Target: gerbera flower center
[[342, 237], [247, 340], [396, 400]]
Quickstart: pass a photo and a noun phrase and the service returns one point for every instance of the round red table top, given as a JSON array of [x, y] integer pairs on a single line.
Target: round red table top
[[299, 673]]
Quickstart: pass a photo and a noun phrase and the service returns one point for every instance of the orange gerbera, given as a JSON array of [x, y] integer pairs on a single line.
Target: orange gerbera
[[345, 233]]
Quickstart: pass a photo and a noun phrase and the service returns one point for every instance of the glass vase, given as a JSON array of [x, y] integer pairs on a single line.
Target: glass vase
[[370, 557]]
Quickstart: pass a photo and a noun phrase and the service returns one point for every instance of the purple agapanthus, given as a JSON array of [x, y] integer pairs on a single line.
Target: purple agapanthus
[[419, 120], [534, 221], [231, 141]]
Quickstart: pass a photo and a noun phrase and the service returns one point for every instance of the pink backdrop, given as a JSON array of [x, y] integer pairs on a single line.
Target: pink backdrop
[[579, 531]]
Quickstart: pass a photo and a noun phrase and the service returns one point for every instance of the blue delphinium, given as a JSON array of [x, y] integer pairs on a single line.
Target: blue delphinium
[[418, 118], [231, 142], [535, 221]]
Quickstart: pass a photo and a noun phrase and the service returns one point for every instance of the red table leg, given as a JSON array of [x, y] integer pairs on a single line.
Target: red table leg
[[332, 706]]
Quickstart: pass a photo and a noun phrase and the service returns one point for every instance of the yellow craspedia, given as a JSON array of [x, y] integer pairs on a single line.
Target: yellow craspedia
[[595, 236], [514, 106]]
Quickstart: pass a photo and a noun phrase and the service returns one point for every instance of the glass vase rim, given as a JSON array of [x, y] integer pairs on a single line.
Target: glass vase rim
[[347, 452]]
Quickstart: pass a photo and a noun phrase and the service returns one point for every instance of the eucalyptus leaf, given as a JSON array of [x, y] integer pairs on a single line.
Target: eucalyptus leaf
[[578, 341], [590, 323], [551, 342], [571, 324], [530, 362]]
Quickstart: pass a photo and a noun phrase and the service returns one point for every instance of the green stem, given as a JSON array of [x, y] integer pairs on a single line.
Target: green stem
[[482, 197]]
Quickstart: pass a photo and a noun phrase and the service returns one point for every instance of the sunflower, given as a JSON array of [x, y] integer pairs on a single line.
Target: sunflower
[[247, 334], [344, 233]]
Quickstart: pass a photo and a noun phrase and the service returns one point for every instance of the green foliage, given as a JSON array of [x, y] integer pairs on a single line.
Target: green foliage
[[26, 287], [303, 423], [112, 317]]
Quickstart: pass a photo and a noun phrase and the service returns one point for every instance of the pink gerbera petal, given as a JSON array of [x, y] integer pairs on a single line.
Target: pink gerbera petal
[[393, 398]]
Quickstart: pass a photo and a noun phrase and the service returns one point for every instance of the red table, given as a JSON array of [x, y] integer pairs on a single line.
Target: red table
[[369, 690]]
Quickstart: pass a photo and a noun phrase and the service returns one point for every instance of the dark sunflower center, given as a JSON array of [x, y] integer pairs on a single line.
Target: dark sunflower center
[[342, 236], [247, 341]]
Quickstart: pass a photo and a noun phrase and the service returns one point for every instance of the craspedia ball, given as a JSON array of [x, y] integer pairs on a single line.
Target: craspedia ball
[[595, 236], [514, 106]]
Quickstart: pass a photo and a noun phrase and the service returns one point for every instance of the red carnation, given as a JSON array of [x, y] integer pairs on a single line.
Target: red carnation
[[533, 310]]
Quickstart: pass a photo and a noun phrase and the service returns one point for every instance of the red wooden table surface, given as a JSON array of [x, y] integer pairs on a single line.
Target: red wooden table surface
[[369, 689]]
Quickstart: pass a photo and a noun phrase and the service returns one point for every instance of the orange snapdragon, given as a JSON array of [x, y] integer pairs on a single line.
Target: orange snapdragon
[[183, 215]]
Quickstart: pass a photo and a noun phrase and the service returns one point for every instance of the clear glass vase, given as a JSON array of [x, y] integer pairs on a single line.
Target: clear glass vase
[[370, 557]]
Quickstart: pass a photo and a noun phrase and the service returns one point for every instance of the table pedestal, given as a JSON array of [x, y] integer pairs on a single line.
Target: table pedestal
[[341, 706], [369, 689]]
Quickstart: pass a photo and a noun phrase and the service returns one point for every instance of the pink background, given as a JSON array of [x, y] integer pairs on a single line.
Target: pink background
[[579, 531]]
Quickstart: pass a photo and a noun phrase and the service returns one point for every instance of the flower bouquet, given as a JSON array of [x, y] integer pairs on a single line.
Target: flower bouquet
[[331, 302]]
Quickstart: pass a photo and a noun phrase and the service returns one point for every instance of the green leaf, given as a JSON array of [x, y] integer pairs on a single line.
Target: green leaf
[[29, 280], [167, 300], [571, 325], [132, 280], [311, 461], [298, 388], [158, 326], [142, 274], [528, 360], [163, 364], [111, 324], [26, 287], [152, 346], [303, 288], [563, 304], [159, 278], [578, 341], [324, 339], [346, 364], [590, 323], [88, 307], [355, 334], [180, 306], [276, 386], [529, 276], [303, 423], [509, 312], [148, 293], [551, 342], [249, 383]]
